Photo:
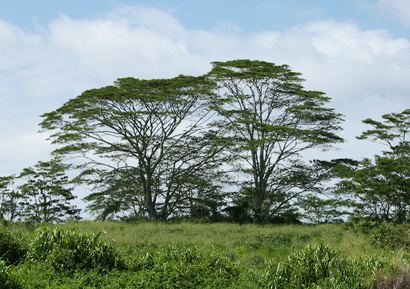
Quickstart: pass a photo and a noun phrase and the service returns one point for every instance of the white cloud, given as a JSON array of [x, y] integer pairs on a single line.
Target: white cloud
[[399, 8], [365, 72]]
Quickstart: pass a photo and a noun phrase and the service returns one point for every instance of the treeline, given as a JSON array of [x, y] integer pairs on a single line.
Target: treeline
[[228, 145]]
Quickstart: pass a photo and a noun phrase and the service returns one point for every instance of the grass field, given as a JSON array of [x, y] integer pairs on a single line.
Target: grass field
[[193, 255]]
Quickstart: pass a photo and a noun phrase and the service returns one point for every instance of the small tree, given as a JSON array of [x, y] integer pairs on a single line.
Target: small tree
[[8, 198], [382, 186], [46, 196], [324, 210]]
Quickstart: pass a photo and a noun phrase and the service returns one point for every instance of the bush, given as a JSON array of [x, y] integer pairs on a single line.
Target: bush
[[67, 250], [167, 267], [6, 281], [391, 236], [176, 266], [12, 250], [320, 267], [362, 224]]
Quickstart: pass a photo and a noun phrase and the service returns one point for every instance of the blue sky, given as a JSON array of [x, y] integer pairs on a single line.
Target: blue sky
[[248, 15], [358, 52]]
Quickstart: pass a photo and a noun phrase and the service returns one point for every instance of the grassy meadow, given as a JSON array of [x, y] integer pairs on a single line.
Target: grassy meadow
[[93, 254]]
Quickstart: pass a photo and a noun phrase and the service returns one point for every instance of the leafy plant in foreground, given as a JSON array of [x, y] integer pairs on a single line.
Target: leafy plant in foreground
[[391, 236], [68, 250], [177, 266], [319, 267], [12, 250], [6, 281]]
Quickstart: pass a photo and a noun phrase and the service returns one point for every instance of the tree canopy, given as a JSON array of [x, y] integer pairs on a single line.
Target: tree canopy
[[157, 128], [230, 144], [382, 186], [45, 193], [271, 119]]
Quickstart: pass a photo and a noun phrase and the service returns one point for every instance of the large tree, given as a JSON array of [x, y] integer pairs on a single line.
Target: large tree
[[271, 119], [157, 129], [46, 193]]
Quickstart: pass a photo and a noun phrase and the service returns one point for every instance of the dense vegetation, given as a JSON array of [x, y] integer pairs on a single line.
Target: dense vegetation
[[187, 255]]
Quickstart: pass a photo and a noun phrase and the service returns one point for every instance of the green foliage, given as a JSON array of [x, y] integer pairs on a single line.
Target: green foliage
[[380, 188], [186, 255], [8, 198], [169, 274], [269, 118], [12, 250], [156, 133], [272, 242], [391, 236], [319, 210], [392, 128], [114, 191], [147, 267], [320, 267], [67, 250], [180, 267], [362, 225], [45, 193], [383, 185], [6, 280]]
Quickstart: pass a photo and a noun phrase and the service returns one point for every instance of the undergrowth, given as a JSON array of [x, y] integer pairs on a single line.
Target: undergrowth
[[156, 255]]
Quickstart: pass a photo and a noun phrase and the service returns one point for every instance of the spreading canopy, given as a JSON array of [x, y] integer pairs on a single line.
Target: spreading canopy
[[271, 119], [157, 128]]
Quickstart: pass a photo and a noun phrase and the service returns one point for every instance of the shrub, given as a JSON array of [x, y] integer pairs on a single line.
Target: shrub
[[162, 273], [320, 267], [67, 250], [176, 266], [42, 275], [12, 250], [6, 281], [362, 224], [391, 236]]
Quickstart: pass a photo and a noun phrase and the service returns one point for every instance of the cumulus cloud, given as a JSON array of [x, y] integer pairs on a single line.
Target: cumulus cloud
[[365, 72], [399, 8]]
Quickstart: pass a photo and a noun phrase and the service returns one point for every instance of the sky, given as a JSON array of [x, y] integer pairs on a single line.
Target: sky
[[356, 51]]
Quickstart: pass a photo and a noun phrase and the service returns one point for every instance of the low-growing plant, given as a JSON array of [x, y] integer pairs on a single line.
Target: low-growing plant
[[68, 250], [391, 236], [320, 267], [177, 266], [6, 281], [362, 224], [12, 249], [184, 255], [277, 240]]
